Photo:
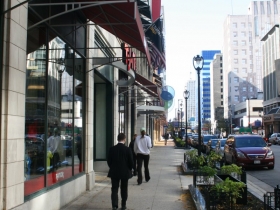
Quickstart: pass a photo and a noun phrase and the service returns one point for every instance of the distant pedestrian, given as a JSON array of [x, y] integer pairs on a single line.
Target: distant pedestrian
[[166, 137], [131, 146], [142, 147], [120, 162]]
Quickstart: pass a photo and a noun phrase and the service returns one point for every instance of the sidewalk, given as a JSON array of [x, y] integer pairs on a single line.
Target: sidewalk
[[165, 190]]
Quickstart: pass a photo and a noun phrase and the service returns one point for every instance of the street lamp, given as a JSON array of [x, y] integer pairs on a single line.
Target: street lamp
[[186, 96], [181, 120], [198, 63]]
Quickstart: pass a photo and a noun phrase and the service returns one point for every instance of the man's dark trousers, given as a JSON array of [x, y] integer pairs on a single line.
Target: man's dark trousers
[[115, 189], [140, 159]]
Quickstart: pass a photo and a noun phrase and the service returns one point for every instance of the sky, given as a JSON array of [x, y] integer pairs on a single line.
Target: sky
[[190, 27]]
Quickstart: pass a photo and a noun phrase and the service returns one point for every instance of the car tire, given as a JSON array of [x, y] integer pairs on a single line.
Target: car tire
[[270, 167]]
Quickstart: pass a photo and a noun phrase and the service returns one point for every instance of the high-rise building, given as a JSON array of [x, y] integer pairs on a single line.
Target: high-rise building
[[216, 91], [243, 53], [208, 56], [191, 84]]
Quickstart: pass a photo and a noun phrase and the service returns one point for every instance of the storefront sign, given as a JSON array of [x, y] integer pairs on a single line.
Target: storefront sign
[[128, 57], [266, 118]]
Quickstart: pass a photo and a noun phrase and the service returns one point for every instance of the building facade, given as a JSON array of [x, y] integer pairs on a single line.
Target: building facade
[[191, 86], [216, 91], [243, 53], [271, 80], [71, 81], [208, 56]]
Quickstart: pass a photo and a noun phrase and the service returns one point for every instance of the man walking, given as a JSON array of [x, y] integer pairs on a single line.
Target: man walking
[[120, 163], [142, 147], [166, 137]]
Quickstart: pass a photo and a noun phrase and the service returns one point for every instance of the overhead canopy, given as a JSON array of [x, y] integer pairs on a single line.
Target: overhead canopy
[[121, 19], [147, 85]]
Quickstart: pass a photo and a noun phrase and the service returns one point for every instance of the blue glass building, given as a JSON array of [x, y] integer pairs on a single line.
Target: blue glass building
[[208, 56]]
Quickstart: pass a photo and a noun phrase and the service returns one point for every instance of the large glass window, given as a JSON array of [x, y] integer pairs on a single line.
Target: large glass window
[[54, 119]]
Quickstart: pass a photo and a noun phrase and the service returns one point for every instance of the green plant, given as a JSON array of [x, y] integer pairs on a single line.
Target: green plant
[[179, 142], [230, 188], [195, 159], [212, 158], [228, 169], [208, 171]]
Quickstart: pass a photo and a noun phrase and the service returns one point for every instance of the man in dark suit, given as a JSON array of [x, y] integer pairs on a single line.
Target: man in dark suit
[[120, 162]]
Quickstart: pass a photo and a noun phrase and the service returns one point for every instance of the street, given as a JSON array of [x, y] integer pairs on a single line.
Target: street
[[270, 177]]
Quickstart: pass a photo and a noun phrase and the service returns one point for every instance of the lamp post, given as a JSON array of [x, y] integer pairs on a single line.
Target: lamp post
[[186, 96], [181, 120], [198, 63], [179, 115], [261, 115]]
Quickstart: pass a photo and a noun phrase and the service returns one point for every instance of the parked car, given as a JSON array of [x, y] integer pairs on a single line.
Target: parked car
[[248, 151], [219, 149], [211, 145], [34, 154], [274, 138], [204, 140]]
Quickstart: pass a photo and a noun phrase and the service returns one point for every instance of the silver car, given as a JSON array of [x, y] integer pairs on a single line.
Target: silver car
[[274, 138]]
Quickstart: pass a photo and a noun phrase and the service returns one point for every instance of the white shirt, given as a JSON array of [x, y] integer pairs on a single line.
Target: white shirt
[[54, 144], [142, 145]]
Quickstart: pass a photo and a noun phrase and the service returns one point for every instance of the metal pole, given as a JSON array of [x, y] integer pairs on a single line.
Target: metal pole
[[199, 113], [186, 139], [181, 123]]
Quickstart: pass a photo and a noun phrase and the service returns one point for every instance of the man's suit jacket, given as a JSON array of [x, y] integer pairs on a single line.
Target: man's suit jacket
[[120, 162]]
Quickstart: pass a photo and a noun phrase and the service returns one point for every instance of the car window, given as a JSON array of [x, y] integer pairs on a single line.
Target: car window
[[207, 138], [214, 142], [272, 135], [249, 142]]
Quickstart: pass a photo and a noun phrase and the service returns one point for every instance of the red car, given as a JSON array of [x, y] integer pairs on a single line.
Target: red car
[[248, 151]]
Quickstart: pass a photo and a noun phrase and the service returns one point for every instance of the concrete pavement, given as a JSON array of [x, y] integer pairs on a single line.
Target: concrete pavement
[[163, 192]]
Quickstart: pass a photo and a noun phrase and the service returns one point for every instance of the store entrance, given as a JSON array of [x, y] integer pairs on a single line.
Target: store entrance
[[103, 119]]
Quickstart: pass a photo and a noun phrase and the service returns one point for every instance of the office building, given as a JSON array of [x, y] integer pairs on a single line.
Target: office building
[[217, 91], [242, 52]]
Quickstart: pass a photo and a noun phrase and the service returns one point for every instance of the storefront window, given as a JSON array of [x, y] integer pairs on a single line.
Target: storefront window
[[78, 116], [54, 123], [35, 156]]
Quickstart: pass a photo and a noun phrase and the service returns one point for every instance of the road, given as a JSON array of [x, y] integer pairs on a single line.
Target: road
[[270, 177]]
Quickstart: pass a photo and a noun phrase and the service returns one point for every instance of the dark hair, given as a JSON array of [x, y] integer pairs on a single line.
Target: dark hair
[[121, 137]]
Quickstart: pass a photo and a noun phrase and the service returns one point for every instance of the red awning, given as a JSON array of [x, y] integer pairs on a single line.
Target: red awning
[[122, 20], [156, 7], [147, 85]]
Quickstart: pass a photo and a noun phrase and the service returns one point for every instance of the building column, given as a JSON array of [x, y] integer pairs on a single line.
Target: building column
[[90, 175], [13, 106]]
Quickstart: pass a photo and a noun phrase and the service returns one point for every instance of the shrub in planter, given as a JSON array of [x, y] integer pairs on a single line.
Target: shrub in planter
[[194, 161], [213, 158], [229, 189], [208, 173], [226, 173], [179, 142]]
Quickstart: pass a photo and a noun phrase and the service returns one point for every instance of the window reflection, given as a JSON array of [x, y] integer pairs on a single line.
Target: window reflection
[[34, 160], [53, 128], [59, 144], [78, 88]]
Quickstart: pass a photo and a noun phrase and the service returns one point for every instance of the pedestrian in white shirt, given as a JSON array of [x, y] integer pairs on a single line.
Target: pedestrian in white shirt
[[142, 147]]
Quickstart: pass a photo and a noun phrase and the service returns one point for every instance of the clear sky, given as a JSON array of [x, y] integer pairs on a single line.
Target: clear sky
[[192, 26]]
